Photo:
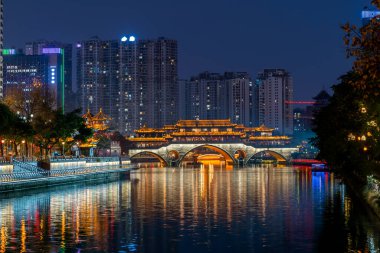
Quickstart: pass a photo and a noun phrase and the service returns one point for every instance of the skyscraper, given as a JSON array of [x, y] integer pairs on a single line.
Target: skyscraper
[[1, 47], [134, 81], [239, 97], [62, 52], [205, 92], [23, 72], [132, 111], [98, 76], [158, 73], [275, 89], [220, 96]]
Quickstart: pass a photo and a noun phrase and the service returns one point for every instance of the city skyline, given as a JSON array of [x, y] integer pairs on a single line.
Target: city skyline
[[318, 50]]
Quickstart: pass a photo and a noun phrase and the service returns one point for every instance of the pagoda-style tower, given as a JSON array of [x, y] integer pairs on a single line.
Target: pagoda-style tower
[[98, 122]]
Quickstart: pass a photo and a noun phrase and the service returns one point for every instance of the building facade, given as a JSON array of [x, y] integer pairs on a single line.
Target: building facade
[[220, 96], [23, 72], [275, 91], [135, 82], [1, 47], [59, 52], [98, 76], [132, 111], [158, 73]]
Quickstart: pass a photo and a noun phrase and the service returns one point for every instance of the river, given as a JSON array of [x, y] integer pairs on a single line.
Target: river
[[253, 209]]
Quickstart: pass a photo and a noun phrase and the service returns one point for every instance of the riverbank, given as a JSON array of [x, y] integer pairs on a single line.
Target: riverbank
[[369, 197], [45, 182]]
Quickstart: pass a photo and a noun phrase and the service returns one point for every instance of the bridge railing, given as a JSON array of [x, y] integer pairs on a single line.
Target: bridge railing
[[19, 176]]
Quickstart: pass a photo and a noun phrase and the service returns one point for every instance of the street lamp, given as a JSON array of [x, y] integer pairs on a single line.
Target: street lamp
[[2, 148], [63, 148], [23, 149]]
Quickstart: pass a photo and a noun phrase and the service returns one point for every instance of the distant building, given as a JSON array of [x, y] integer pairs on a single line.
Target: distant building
[[98, 76], [1, 48], [220, 96], [132, 111], [135, 82], [158, 64], [22, 72], [275, 89], [204, 97], [321, 100], [62, 52], [367, 15], [304, 117], [239, 97]]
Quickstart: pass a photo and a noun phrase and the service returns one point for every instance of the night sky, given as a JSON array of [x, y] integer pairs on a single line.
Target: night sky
[[301, 36]]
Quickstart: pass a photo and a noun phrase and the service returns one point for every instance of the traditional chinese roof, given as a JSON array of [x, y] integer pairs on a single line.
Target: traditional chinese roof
[[170, 127], [205, 123], [268, 138], [263, 128], [100, 116], [149, 139], [146, 130], [206, 134], [323, 95], [87, 115]]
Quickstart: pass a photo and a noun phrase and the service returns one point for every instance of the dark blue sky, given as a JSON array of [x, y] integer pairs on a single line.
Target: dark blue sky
[[216, 35]]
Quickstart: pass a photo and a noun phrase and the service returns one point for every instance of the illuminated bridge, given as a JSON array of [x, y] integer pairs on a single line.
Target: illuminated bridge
[[233, 143]]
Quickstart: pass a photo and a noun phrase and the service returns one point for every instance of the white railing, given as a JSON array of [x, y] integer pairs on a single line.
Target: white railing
[[26, 171]]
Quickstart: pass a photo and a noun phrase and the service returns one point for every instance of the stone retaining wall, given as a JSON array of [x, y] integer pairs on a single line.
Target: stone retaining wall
[[108, 175]]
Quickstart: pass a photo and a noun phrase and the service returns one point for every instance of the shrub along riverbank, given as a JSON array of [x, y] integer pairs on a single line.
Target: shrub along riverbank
[[348, 129]]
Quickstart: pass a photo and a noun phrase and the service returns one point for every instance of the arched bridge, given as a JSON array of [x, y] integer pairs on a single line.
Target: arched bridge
[[173, 154]]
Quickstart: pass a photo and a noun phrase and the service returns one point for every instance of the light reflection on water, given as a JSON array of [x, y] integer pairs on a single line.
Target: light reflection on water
[[208, 209]]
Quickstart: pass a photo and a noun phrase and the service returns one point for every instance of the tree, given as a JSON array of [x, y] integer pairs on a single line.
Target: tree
[[347, 129], [6, 119]]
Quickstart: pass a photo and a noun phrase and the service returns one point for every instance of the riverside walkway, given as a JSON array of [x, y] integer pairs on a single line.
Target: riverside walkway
[[26, 175]]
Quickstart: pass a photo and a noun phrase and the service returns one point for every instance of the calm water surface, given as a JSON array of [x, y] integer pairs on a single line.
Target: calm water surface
[[257, 209]]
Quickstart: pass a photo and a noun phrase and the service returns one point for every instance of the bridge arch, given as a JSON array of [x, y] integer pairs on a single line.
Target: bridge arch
[[228, 157], [160, 158], [279, 157]]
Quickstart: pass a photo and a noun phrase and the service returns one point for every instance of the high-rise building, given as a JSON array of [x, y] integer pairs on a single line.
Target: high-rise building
[[132, 110], [1, 47], [367, 15], [63, 51], [22, 72], [220, 96], [158, 73], [275, 89], [239, 97], [204, 95], [134, 81], [98, 77]]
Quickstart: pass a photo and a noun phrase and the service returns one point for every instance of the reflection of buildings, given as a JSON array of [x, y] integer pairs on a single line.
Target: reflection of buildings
[[66, 219], [206, 131]]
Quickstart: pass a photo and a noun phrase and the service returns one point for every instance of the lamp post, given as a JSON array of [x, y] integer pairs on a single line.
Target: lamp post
[[23, 149], [63, 148], [2, 148]]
